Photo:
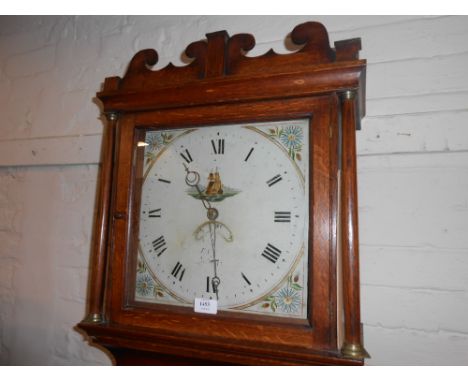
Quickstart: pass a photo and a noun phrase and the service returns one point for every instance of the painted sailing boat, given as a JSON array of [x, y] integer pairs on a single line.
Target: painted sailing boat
[[215, 186], [215, 190]]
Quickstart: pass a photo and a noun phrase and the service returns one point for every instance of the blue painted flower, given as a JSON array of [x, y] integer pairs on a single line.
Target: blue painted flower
[[292, 137], [288, 300], [144, 285], [155, 141]]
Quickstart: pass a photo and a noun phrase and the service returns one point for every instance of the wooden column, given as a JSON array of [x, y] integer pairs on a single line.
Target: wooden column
[[99, 254], [352, 346]]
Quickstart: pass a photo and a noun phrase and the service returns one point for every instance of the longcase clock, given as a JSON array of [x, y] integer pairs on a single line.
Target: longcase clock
[[227, 228]]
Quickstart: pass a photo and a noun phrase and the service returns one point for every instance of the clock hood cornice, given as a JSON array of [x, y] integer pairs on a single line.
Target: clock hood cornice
[[220, 71]]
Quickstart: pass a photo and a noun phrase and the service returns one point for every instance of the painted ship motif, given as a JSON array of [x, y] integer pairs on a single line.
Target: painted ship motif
[[215, 186], [215, 190]]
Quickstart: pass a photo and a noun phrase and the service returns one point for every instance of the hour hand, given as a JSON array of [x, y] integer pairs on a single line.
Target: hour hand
[[192, 178]]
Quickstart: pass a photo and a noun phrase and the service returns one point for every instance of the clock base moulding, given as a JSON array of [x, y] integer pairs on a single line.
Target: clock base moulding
[[130, 347]]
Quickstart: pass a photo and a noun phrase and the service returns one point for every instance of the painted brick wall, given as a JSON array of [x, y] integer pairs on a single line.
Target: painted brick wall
[[413, 173]]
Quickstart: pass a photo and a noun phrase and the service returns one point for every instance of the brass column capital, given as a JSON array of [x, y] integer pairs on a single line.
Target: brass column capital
[[348, 94], [354, 351], [111, 115]]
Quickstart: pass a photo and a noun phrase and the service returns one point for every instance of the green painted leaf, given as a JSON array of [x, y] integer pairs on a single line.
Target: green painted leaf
[[296, 286], [141, 267], [167, 138], [273, 306]]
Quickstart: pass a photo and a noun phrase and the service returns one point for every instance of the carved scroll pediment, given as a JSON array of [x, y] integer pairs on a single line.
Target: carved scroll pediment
[[221, 56]]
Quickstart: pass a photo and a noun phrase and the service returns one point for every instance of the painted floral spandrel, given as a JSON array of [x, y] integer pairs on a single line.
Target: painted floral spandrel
[[288, 299], [145, 284], [155, 142], [291, 137]]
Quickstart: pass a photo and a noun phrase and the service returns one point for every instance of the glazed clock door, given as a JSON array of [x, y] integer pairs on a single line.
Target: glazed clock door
[[224, 216]]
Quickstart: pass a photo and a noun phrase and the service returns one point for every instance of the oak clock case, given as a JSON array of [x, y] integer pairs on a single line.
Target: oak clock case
[[230, 183]]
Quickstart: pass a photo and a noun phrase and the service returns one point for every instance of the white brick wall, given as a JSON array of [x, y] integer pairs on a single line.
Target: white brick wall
[[413, 173]]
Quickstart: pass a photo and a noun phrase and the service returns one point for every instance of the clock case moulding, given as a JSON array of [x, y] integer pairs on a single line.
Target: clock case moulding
[[222, 85]]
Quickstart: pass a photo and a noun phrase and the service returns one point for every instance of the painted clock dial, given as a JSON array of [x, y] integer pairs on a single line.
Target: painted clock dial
[[224, 215]]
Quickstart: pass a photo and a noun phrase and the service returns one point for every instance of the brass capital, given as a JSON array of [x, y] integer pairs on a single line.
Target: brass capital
[[111, 116], [356, 351], [349, 94], [94, 318]]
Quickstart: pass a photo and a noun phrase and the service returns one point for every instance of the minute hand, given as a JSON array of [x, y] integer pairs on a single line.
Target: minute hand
[[192, 179]]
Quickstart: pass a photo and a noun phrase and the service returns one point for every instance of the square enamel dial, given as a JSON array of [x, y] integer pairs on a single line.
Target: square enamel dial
[[223, 215]]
